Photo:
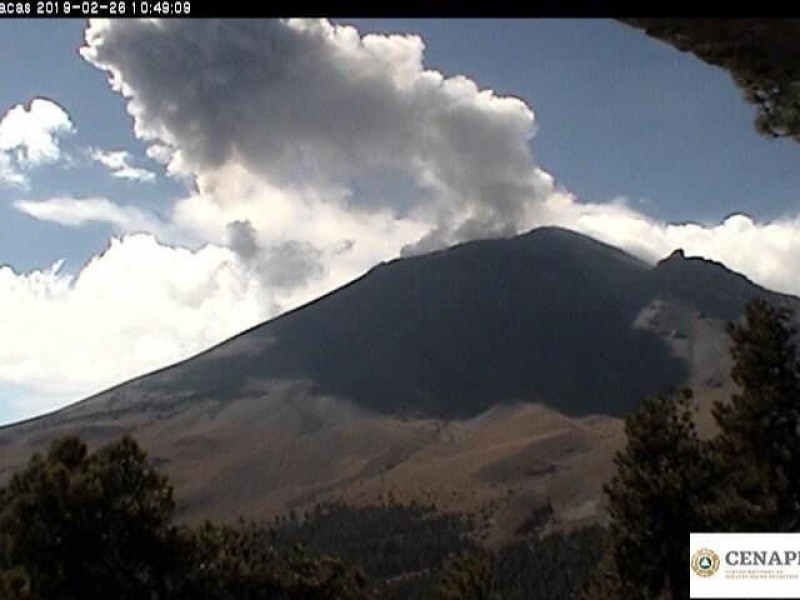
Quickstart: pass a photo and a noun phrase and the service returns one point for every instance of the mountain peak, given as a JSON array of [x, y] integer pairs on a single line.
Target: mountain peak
[[454, 332], [678, 260], [707, 285], [677, 254]]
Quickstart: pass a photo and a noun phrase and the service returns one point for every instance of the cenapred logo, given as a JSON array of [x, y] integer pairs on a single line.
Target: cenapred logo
[[705, 562], [744, 565]]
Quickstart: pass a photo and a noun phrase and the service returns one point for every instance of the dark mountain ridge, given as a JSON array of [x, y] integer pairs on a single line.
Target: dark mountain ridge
[[546, 316], [486, 378]]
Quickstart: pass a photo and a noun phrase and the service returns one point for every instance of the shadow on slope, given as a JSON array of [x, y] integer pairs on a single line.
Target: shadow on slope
[[545, 316]]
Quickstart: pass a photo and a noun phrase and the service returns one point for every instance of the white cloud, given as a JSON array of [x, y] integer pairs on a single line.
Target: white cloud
[[9, 174], [319, 218], [33, 133], [118, 162], [30, 137], [763, 251], [74, 212], [137, 306]]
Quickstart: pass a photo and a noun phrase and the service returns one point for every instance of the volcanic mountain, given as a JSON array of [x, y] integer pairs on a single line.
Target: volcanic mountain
[[491, 374]]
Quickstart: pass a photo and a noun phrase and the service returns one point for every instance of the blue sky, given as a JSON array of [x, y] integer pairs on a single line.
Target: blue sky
[[288, 158], [56, 71]]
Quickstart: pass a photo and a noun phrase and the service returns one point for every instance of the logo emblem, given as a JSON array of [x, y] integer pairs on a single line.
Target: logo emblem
[[705, 562]]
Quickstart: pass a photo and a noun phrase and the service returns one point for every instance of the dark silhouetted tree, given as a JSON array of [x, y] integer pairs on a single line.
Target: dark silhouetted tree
[[669, 483], [76, 526], [81, 526], [467, 576], [759, 439], [241, 563], [659, 494]]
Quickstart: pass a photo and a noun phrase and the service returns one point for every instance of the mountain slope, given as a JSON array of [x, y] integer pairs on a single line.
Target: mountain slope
[[453, 333], [397, 381]]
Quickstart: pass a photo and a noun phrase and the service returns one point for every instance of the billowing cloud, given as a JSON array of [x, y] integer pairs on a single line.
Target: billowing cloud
[[292, 217], [118, 162], [30, 137], [32, 134], [315, 105], [283, 265], [137, 306]]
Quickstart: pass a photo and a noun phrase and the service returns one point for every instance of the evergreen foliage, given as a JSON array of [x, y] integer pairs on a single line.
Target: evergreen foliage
[[388, 540], [670, 483], [75, 525], [557, 566], [468, 576], [659, 494], [759, 441]]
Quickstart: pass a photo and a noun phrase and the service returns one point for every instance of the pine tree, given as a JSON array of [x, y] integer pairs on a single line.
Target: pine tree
[[658, 495], [78, 526], [467, 576], [670, 483], [759, 440], [75, 525]]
